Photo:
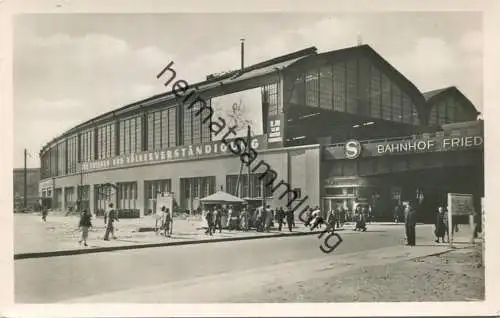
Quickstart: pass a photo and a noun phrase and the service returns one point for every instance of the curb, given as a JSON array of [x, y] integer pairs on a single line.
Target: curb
[[149, 245]]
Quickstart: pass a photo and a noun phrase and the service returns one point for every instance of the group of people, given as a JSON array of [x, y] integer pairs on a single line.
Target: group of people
[[164, 222], [262, 218], [85, 223]]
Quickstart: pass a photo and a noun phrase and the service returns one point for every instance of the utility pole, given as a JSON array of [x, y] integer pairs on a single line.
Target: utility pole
[[25, 179]]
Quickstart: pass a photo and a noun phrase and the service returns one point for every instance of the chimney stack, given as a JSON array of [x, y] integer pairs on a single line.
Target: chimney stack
[[242, 53]]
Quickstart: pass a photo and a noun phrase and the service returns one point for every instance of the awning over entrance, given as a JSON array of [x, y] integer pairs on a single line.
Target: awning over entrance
[[221, 197]]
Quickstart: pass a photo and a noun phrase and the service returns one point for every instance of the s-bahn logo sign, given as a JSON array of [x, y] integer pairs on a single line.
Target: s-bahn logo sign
[[352, 149]]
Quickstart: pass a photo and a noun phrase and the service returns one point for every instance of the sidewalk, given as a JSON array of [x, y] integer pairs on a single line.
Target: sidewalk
[[60, 235]]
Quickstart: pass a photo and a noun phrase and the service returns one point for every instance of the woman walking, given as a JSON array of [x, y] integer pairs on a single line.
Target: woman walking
[[85, 225]]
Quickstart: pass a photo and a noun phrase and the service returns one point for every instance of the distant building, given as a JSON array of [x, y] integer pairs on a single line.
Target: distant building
[[33, 179]]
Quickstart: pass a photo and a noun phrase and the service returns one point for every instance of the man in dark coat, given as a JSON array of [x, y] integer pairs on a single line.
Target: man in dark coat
[[112, 217], [280, 215], [210, 222], [410, 223], [289, 218]]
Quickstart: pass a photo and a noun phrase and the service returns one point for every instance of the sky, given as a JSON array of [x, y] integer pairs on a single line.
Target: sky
[[69, 68]]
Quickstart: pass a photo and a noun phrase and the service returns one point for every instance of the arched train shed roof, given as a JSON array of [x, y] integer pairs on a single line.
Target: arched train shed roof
[[435, 96], [286, 63]]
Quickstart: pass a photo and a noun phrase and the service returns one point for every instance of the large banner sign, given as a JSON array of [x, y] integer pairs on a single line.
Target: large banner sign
[[401, 147], [241, 109], [207, 150]]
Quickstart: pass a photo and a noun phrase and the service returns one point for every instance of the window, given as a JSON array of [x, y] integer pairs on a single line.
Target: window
[[407, 110], [352, 87], [206, 132], [72, 146], [433, 116], [255, 186], [130, 135], [152, 189], [397, 106], [270, 96], [198, 187], [187, 127], [159, 127], [53, 161], [61, 158], [375, 94], [450, 112], [298, 94], [196, 123], [325, 87], [386, 98], [106, 141], [87, 145], [172, 126], [127, 195], [339, 87], [312, 88], [441, 112]]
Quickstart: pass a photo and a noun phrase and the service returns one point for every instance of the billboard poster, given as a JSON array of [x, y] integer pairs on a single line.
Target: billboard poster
[[164, 200], [275, 135], [460, 204], [240, 109]]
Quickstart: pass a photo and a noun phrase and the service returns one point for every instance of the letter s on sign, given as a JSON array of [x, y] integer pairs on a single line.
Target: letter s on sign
[[352, 149]]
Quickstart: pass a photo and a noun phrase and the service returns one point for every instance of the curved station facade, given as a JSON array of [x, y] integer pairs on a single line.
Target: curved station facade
[[337, 128]]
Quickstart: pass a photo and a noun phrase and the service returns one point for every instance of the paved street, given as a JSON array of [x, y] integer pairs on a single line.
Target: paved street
[[210, 271]]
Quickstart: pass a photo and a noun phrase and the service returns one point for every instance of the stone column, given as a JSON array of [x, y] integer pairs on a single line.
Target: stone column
[[63, 201], [140, 197], [91, 199]]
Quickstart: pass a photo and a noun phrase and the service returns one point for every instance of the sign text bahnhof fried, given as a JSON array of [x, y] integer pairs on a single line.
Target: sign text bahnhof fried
[[431, 144], [403, 146]]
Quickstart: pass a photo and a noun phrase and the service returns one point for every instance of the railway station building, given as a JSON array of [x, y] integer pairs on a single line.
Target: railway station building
[[338, 127]]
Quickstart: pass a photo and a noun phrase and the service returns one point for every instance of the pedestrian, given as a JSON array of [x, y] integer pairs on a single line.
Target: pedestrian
[[440, 225], [280, 215], [159, 220], [168, 222], [309, 217], [367, 214], [45, 211], [317, 220], [268, 218], [360, 219], [289, 218], [209, 216], [342, 216], [477, 224], [229, 225], [410, 224], [111, 218], [218, 219], [85, 224], [396, 213], [244, 219], [331, 220]]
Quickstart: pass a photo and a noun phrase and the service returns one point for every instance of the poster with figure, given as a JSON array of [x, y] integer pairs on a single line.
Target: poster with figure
[[164, 200]]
